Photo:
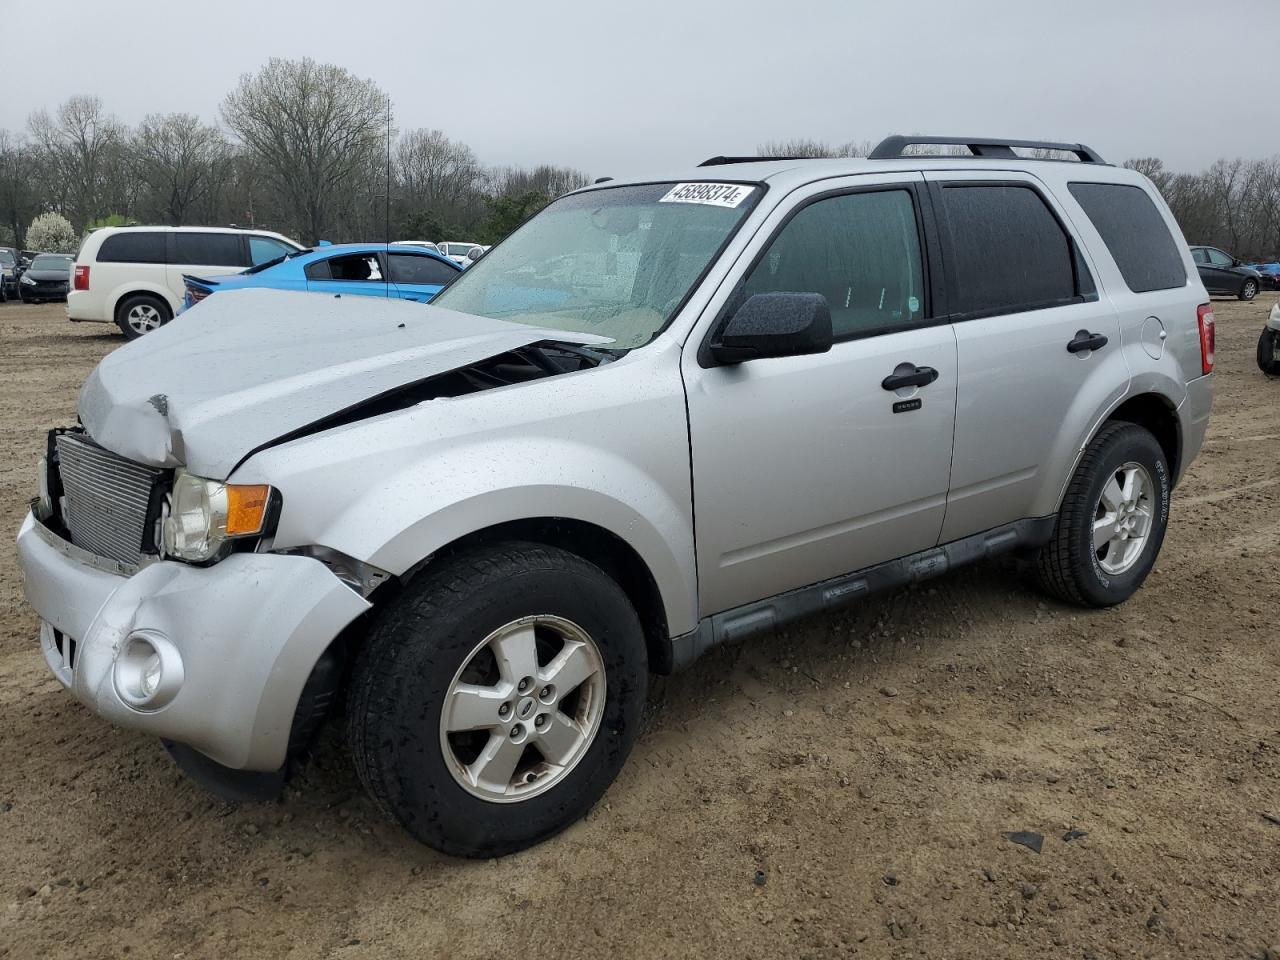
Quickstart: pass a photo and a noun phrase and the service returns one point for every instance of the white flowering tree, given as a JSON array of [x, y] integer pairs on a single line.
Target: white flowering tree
[[51, 233]]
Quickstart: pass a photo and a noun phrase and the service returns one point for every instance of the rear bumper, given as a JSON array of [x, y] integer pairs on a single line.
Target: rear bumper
[[85, 305], [246, 633], [1193, 420]]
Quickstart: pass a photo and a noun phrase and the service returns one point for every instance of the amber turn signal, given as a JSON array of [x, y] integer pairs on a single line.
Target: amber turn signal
[[246, 508]]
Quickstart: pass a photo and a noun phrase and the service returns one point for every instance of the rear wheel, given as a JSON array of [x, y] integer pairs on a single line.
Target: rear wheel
[[140, 314], [1269, 353], [497, 698], [1112, 521], [1249, 289]]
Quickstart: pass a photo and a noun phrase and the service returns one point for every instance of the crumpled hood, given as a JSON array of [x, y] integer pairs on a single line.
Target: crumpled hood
[[246, 367]]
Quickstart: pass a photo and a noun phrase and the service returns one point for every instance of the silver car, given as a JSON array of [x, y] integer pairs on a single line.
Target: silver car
[[661, 416]]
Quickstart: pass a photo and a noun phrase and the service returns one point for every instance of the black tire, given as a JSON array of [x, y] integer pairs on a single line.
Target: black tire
[[419, 643], [1248, 289], [140, 301], [1068, 565], [1269, 353]]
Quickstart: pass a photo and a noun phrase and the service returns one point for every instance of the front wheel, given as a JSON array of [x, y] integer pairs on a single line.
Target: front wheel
[[1112, 520], [1248, 289], [1269, 353], [497, 698]]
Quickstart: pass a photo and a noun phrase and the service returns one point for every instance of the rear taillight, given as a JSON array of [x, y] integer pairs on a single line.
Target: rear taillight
[[197, 293], [1204, 320], [82, 277]]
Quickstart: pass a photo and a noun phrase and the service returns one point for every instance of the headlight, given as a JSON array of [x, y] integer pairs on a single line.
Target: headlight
[[205, 514], [26, 279]]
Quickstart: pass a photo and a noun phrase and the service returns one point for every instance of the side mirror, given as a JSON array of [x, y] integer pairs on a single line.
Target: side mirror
[[475, 253], [1237, 262], [775, 325]]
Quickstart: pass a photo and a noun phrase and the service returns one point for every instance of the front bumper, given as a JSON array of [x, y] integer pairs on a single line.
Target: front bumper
[[248, 630]]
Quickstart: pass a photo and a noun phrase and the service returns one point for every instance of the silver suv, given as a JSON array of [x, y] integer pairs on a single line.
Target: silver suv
[[662, 415]]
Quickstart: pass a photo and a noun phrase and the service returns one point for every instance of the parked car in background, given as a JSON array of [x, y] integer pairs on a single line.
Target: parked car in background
[[359, 269], [1269, 344], [1270, 273], [11, 266], [1225, 275], [47, 278], [132, 276], [456, 251], [426, 244], [482, 523]]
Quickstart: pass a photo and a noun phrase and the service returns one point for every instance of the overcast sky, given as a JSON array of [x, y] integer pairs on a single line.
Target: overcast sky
[[624, 89]]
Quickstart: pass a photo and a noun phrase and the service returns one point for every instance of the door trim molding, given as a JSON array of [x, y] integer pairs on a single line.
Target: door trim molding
[[731, 626]]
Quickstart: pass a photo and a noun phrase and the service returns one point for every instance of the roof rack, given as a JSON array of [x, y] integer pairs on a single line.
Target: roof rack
[[720, 161], [893, 147]]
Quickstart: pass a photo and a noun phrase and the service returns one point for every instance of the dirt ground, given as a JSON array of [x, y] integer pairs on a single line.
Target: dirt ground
[[837, 789]]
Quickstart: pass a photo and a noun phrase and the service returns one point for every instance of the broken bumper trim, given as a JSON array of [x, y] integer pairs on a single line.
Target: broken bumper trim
[[248, 631]]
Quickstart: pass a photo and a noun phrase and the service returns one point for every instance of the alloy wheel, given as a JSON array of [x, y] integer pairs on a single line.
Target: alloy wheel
[[1122, 518], [143, 318], [523, 709]]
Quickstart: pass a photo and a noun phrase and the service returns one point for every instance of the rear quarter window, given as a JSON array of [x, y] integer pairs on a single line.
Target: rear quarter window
[[1135, 233], [133, 247]]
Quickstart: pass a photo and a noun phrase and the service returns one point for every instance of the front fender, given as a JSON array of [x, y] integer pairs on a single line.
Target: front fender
[[404, 517]]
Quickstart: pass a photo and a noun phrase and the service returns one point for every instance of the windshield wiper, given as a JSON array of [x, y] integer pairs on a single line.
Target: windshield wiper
[[596, 356]]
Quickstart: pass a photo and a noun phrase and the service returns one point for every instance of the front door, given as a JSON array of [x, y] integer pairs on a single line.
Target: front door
[[419, 276], [805, 468], [1039, 352]]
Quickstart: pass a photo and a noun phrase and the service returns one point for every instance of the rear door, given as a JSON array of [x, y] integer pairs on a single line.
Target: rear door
[[1030, 330], [419, 276], [203, 255], [805, 468], [355, 274]]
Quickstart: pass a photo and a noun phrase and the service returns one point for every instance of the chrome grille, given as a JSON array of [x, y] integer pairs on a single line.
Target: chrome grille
[[107, 498]]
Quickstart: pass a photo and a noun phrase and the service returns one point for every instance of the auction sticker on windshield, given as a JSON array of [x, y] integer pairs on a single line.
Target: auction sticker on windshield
[[715, 194]]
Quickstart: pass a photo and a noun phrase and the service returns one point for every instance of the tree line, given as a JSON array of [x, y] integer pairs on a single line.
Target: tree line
[[310, 150], [1234, 204], [304, 148]]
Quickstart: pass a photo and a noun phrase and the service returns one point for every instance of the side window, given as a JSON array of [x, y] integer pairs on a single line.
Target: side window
[[349, 267], [208, 249], [1135, 233], [262, 249], [1008, 251], [415, 268], [1200, 255], [861, 251], [133, 247], [1218, 258]]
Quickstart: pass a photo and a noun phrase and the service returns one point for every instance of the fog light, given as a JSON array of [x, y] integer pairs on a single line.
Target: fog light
[[148, 671]]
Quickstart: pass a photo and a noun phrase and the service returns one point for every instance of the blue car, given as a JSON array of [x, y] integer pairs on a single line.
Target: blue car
[[1270, 274], [358, 269]]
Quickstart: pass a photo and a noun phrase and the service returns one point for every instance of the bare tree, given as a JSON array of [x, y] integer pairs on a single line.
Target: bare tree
[[180, 160], [801, 147], [315, 128], [83, 148], [433, 171], [19, 186]]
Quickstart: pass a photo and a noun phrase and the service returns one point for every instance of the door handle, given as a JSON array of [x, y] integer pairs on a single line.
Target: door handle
[[1084, 340], [917, 377]]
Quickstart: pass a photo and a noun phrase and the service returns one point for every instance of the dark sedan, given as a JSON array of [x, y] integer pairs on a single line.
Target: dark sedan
[[1226, 275], [47, 278]]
